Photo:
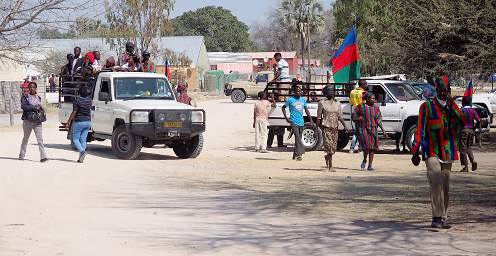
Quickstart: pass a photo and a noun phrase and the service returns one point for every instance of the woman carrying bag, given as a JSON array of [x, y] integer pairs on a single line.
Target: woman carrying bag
[[33, 116]]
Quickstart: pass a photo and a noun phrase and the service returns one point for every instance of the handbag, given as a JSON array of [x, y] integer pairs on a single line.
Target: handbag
[[38, 116]]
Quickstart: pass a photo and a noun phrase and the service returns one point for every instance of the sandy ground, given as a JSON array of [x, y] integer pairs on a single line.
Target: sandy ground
[[232, 201]]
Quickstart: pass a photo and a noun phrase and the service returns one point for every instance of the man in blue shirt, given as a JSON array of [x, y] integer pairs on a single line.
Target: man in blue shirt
[[296, 106]]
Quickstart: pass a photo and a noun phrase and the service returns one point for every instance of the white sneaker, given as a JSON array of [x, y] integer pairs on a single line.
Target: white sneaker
[[352, 151], [264, 151]]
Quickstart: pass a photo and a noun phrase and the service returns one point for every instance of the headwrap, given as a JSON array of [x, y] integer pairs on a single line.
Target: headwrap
[[91, 56], [183, 94], [110, 63], [328, 89]]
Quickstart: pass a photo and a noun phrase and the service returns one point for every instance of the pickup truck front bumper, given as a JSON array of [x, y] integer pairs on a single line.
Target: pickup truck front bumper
[[168, 125]]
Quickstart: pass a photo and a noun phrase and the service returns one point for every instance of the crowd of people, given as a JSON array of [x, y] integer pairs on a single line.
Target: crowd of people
[[86, 67], [443, 131]]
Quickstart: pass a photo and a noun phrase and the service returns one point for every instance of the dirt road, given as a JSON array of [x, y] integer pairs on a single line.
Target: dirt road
[[231, 201]]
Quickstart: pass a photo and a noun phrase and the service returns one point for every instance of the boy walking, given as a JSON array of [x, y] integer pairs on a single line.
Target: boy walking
[[297, 105], [468, 133], [261, 121]]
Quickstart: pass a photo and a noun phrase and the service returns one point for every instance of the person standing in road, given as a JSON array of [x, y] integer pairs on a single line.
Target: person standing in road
[[437, 134], [81, 121], [261, 121], [329, 114], [356, 99], [33, 116], [297, 105], [51, 82], [368, 118], [468, 133]]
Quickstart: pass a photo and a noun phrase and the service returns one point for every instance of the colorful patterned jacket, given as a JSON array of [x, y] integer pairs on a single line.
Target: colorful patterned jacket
[[438, 130]]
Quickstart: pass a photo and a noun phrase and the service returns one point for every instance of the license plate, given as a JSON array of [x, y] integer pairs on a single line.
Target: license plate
[[173, 124]]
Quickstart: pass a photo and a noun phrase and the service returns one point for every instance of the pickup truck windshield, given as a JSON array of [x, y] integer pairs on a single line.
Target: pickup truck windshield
[[402, 92], [128, 88]]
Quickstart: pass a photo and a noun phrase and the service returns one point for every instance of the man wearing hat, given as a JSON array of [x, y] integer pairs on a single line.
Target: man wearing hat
[[437, 133]]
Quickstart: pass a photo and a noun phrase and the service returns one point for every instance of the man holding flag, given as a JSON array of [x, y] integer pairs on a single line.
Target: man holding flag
[[346, 68]]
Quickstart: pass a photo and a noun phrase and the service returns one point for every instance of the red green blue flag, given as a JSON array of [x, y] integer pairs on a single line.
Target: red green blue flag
[[346, 61], [469, 90]]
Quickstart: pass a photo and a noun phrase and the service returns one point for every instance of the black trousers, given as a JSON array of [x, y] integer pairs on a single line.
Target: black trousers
[[280, 137]]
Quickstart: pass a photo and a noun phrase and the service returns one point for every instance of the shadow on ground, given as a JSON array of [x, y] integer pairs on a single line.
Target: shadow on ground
[[322, 216], [106, 152]]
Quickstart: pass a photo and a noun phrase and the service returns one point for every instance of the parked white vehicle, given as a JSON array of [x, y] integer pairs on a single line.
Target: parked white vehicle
[[136, 110], [398, 102]]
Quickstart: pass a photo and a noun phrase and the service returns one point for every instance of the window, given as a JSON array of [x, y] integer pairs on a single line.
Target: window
[[402, 91], [263, 78], [105, 87], [142, 88]]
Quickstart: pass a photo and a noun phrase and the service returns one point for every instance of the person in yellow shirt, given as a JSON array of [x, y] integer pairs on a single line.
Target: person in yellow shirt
[[356, 99]]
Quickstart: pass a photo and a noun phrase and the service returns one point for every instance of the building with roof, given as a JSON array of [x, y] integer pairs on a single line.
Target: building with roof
[[264, 61], [231, 62]]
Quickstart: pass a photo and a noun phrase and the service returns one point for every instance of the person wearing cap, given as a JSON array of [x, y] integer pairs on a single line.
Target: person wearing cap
[[329, 115], [368, 118], [146, 64], [438, 125], [125, 55]]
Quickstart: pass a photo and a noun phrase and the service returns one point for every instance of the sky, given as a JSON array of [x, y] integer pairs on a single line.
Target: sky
[[248, 11]]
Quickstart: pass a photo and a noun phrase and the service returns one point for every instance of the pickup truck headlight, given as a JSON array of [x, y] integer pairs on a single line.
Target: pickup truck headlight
[[197, 117], [140, 117]]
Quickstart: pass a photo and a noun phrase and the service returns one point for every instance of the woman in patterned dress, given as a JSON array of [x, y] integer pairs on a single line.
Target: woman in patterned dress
[[368, 117], [329, 113]]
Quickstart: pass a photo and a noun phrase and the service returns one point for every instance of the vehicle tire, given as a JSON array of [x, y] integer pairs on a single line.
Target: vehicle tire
[[238, 96], [126, 145], [343, 139], [189, 149], [312, 137], [410, 137]]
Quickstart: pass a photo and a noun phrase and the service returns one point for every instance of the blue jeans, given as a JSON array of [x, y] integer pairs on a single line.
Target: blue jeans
[[80, 134]]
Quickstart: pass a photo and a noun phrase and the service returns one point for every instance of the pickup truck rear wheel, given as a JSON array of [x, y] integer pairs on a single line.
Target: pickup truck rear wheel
[[238, 96], [343, 139], [410, 137], [126, 145], [190, 148], [312, 138]]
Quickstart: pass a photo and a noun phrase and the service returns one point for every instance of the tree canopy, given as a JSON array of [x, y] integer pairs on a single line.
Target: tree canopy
[[421, 38], [221, 29]]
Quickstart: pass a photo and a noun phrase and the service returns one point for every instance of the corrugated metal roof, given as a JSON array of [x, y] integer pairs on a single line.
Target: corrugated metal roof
[[270, 55], [189, 45]]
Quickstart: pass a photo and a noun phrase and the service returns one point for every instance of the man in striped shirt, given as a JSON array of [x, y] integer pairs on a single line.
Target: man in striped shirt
[[437, 133], [468, 133]]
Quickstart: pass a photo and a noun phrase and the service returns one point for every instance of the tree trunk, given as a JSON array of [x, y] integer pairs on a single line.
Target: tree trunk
[[302, 41]]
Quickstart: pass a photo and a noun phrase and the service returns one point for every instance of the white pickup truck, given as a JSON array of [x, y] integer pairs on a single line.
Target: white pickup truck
[[135, 110], [398, 102]]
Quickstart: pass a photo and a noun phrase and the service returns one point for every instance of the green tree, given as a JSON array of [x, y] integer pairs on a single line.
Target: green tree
[[139, 21], [221, 29], [302, 18]]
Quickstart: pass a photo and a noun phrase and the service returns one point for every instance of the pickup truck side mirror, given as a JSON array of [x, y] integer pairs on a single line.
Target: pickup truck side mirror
[[104, 96]]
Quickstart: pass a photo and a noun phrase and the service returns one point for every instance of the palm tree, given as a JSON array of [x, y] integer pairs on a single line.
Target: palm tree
[[301, 18]]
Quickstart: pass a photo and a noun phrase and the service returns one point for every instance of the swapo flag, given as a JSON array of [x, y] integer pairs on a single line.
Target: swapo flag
[[167, 69], [469, 89], [346, 61]]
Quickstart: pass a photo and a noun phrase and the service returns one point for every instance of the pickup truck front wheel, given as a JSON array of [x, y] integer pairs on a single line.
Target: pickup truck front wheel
[[126, 145], [238, 96], [190, 148]]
